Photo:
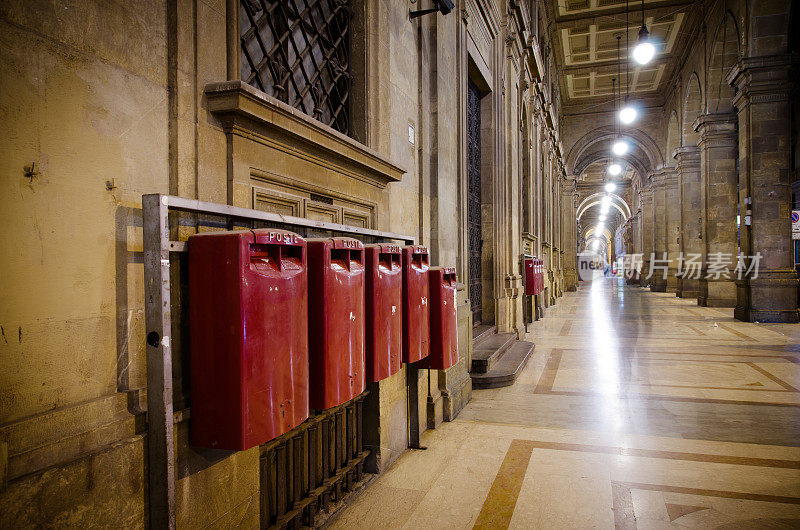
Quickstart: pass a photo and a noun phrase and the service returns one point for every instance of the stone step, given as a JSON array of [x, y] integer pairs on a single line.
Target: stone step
[[506, 370], [485, 354], [481, 333]]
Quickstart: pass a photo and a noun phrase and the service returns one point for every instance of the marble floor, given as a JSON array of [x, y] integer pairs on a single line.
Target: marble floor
[[637, 410]]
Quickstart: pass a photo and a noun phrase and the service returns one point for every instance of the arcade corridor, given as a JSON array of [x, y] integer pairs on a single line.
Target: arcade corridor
[[259, 252], [636, 408]]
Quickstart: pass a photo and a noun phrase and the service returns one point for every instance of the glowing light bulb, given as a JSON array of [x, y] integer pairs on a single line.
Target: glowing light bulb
[[644, 52], [602, 217], [614, 169], [604, 209], [606, 200], [610, 187], [620, 147], [628, 115]]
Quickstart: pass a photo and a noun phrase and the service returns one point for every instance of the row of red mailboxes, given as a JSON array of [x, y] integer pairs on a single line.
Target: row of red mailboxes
[[280, 325], [534, 276]]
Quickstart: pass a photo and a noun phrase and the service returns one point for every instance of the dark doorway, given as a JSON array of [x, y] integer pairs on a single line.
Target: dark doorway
[[474, 193]]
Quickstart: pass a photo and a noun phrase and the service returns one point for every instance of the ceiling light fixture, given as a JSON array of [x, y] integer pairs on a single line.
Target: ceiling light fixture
[[614, 170], [602, 217], [628, 114], [620, 147], [610, 187], [644, 52]]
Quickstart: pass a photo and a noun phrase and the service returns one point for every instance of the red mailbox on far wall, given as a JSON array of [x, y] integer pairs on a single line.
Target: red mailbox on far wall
[[335, 320], [384, 299], [444, 319], [415, 304], [248, 333]]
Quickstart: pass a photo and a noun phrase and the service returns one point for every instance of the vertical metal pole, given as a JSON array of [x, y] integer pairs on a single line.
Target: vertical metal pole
[[412, 389], [160, 449]]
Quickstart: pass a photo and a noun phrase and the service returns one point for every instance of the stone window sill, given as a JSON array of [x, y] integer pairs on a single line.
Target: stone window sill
[[243, 107]]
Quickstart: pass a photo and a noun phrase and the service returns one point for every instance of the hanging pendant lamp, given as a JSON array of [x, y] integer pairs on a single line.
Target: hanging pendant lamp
[[644, 52], [620, 147]]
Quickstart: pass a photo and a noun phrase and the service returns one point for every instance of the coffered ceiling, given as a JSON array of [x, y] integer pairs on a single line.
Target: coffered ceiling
[[584, 36]]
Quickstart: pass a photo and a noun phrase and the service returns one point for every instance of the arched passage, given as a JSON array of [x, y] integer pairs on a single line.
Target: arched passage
[[724, 53], [673, 138], [692, 107]]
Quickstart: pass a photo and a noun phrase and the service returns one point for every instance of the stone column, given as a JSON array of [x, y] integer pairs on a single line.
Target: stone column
[[672, 219], [690, 205], [658, 283], [568, 237], [762, 103], [718, 152], [647, 233]]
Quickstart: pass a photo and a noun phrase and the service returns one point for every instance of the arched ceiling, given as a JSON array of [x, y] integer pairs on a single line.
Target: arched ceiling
[[643, 153]]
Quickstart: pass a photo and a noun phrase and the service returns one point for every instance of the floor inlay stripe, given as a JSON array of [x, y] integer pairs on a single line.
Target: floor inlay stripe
[[737, 333], [548, 377], [760, 497], [669, 455], [498, 508], [772, 377]]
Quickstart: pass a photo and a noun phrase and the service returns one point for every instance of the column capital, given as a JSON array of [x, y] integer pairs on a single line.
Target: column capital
[[659, 176], [717, 130], [687, 156], [760, 79]]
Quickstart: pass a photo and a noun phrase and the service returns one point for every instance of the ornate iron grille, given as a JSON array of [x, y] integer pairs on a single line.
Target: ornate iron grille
[[298, 51], [474, 195]]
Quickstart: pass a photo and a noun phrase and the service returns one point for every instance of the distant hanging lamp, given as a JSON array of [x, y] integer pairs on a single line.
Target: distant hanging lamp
[[644, 52], [620, 147], [614, 169], [628, 114]]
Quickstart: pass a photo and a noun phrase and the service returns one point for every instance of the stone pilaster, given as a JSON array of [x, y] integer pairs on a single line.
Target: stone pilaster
[[688, 158], [672, 228], [763, 108], [718, 152], [646, 233], [658, 283]]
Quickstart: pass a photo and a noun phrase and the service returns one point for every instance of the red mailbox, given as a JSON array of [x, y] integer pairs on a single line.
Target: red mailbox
[[415, 304], [444, 319], [384, 299], [530, 276], [249, 336], [335, 320]]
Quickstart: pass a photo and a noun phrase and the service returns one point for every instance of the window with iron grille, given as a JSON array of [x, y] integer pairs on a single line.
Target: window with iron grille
[[298, 51]]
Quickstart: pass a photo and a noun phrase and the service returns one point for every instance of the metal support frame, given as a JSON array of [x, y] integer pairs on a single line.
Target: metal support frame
[[156, 209]]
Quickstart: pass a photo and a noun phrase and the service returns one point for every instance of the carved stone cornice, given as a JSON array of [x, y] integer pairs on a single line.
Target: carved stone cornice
[[688, 157], [716, 130], [761, 80], [664, 176], [247, 112]]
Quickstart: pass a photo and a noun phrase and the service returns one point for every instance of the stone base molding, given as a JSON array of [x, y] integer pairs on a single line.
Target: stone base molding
[[716, 293], [771, 297]]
